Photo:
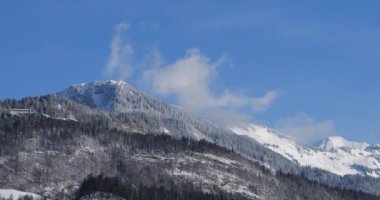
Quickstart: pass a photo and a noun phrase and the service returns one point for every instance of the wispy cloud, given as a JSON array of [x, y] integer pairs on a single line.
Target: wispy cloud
[[262, 103], [187, 79], [306, 129], [119, 61]]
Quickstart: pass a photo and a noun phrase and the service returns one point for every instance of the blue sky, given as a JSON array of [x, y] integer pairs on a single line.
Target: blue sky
[[320, 59]]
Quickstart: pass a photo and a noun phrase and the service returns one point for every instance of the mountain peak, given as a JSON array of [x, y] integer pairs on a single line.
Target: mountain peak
[[337, 142], [110, 82], [107, 95], [334, 154], [102, 82]]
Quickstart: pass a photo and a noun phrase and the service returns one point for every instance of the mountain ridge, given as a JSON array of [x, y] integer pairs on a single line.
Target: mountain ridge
[[50, 157], [120, 97], [336, 142], [146, 115], [334, 154]]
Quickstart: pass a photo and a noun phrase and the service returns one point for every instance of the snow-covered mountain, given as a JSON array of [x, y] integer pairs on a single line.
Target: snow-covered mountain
[[118, 97], [71, 126], [336, 142], [107, 95], [333, 154], [144, 114]]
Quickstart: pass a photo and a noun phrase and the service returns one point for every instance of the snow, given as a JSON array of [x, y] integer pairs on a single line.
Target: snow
[[68, 118], [100, 102], [335, 154], [228, 182], [7, 193], [220, 159], [176, 106], [197, 135], [164, 130], [101, 82], [46, 115], [336, 142], [373, 147], [86, 150], [72, 118], [99, 94]]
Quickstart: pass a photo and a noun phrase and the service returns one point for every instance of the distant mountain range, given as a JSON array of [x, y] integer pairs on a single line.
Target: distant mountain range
[[333, 154]]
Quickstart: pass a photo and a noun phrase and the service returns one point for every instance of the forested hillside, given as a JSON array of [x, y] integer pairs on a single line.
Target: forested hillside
[[52, 157]]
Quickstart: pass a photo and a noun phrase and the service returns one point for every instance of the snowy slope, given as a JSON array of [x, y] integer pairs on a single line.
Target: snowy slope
[[119, 97], [100, 94], [334, 154], [336, 142], [15, 194]]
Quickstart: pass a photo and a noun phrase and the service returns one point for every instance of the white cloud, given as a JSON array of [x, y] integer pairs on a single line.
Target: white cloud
[[228, 117], [306, 129], [119, 61], [189, 78], [262, 103]]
